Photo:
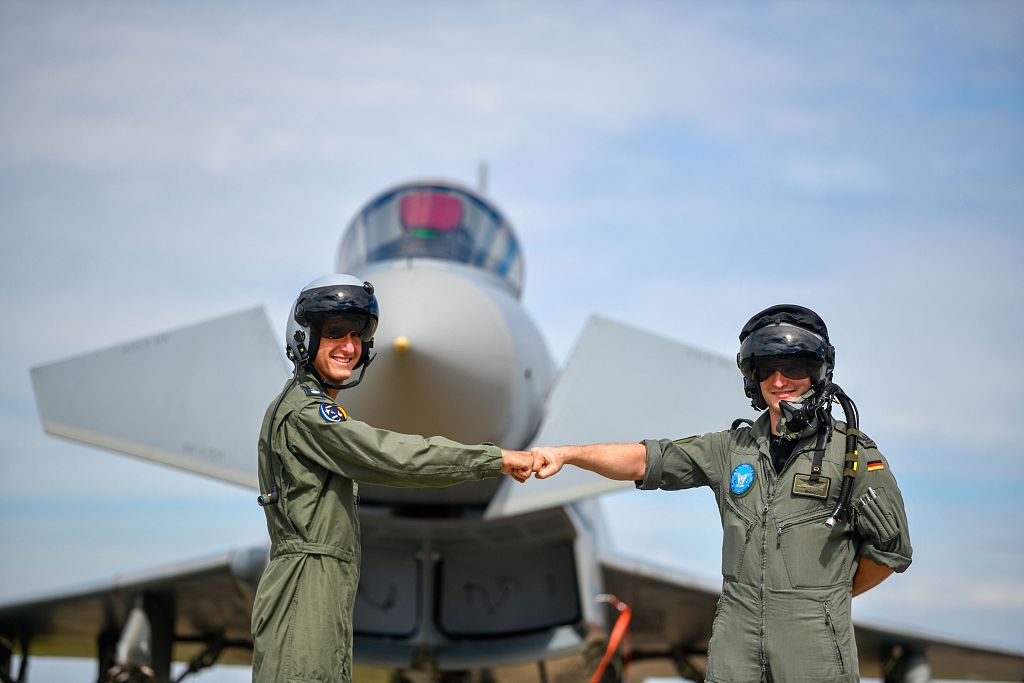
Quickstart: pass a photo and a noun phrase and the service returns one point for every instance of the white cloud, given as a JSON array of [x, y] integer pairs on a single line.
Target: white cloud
[[104, 90], [845, 175]]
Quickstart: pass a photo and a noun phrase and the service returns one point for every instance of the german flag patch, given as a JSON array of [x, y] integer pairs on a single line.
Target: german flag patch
[[875, 465]]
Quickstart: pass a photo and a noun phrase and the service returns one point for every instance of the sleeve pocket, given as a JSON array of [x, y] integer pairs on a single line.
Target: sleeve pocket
[[875, 520]]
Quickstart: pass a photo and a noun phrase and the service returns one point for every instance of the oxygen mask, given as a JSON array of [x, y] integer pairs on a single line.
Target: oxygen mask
[[801, 417]]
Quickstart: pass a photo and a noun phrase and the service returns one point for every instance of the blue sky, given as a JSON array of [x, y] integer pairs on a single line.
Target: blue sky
[[675, 166]]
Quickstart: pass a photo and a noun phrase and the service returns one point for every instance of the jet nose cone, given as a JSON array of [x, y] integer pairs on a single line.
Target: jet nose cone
[[457, 379]]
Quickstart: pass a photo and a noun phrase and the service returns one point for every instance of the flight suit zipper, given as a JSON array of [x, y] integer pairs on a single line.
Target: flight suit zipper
[[782, 526], [766, 506], [357, 523], [835, 638], [749, 519], [734, 554]]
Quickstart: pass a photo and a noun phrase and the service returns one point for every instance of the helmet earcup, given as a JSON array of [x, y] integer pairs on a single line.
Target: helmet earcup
[[752, 390], [364, 357]]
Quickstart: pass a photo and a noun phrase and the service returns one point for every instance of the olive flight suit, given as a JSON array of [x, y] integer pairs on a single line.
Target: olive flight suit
[[784, 614], [302, 616]]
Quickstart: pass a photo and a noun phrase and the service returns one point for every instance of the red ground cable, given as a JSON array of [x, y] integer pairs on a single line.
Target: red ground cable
[[618, 633]]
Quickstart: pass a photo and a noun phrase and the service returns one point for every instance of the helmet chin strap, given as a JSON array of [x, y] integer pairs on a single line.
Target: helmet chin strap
[[345, 385]]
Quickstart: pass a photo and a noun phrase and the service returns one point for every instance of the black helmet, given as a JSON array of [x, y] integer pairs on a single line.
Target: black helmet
[[332, 295], [781, 331]]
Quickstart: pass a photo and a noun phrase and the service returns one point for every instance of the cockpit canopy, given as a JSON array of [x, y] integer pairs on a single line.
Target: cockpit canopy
[[433, 220]]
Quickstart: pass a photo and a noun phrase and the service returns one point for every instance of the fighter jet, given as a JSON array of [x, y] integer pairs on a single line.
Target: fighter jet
[[454, 580]]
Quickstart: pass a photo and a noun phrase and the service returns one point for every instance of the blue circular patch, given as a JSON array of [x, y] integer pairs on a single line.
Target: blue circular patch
[[742, 479], [331, 412]]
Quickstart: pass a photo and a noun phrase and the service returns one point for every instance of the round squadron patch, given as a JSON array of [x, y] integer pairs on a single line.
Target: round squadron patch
[[332, 413], [742, 479]]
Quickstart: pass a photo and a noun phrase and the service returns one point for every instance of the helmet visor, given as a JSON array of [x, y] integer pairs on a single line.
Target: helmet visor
[[355, 305], [793, 367], [355, 322], [782, 341]]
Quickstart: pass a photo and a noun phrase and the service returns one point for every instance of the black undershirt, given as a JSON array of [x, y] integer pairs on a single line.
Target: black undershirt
[[780, 450]]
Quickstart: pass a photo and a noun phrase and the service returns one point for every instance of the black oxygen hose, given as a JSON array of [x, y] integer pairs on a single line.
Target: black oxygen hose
[[271, 498], [852, 455]]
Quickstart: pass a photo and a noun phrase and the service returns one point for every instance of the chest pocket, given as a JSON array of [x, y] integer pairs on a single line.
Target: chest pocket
[[737, 528], [815, 556]]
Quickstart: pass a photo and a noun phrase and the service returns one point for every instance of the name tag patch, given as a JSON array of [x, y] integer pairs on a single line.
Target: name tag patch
[[802, 486]]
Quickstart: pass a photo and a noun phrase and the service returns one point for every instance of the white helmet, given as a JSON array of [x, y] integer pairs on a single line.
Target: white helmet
[[332, 295]]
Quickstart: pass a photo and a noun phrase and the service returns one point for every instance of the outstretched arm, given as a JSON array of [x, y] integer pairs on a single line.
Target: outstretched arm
[[621, 461]]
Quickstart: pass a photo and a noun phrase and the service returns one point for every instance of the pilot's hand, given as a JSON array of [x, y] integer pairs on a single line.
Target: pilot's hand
[[517, 464], [547, 461]]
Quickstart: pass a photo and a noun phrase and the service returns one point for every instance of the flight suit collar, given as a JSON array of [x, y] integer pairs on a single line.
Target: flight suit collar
[[309, 383], [762, 430]]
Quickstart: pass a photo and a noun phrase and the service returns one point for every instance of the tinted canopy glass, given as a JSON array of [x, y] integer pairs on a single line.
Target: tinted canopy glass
[[433, 220]]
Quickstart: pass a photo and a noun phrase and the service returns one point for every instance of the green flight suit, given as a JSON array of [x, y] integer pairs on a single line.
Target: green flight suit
[[302, 616], [784, 615]]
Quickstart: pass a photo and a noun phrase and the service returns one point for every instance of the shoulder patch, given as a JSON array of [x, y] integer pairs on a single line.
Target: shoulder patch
[[742, 479], [313, 391], [332, 412]]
